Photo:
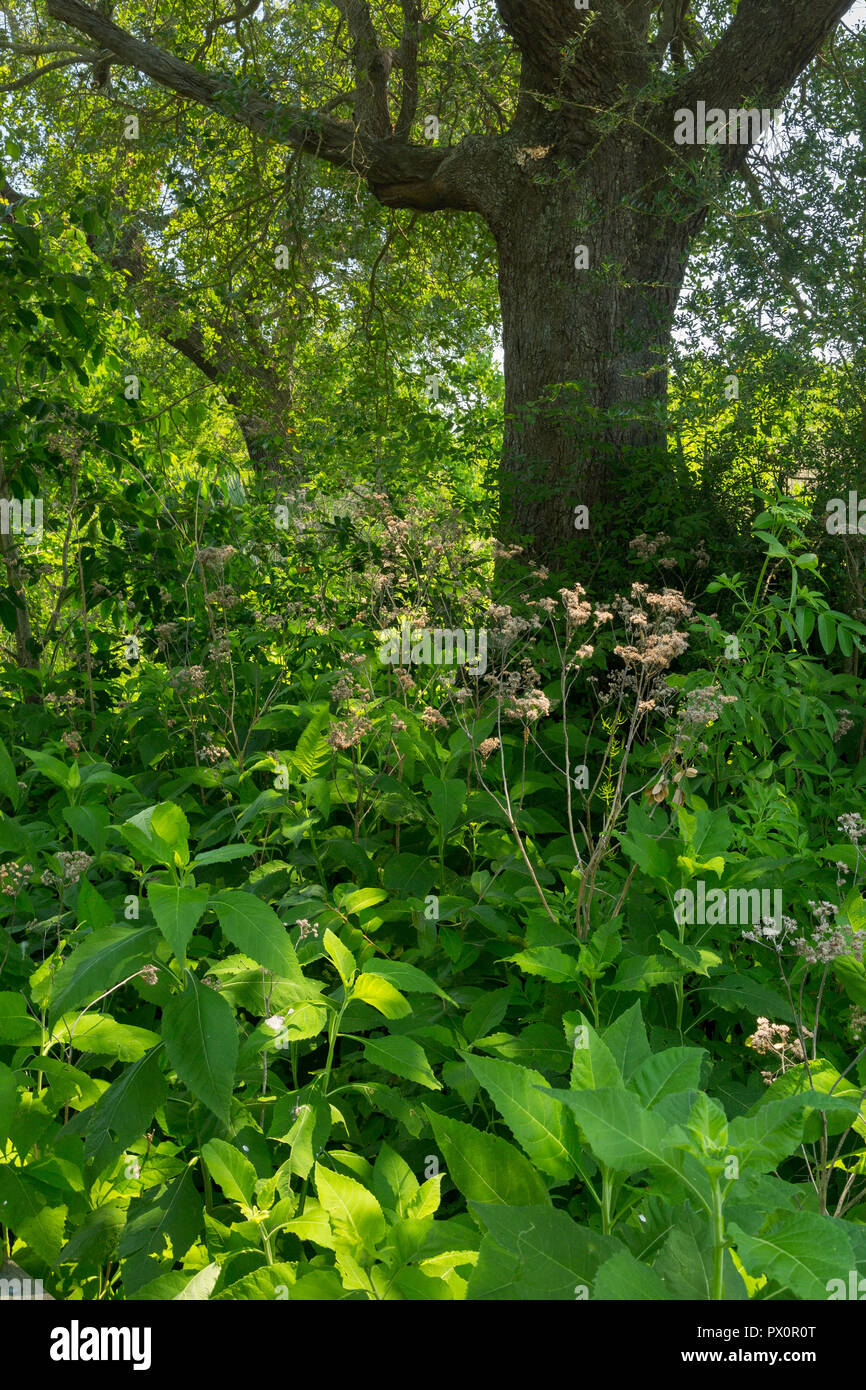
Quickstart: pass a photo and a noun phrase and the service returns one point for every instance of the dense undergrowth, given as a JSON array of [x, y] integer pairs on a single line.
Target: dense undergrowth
[[327, 971]]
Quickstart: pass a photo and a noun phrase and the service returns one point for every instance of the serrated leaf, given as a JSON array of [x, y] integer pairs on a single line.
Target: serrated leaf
[[177, 911], [544, 1131], [201, 1039], [485, 1167], [254, 927]]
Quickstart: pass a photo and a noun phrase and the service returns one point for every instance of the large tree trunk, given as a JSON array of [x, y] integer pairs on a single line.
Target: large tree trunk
[[585, 351]]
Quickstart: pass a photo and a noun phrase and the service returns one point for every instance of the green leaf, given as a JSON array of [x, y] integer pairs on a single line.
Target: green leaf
[[446, 798], [827, 632], [106, 957], [593, 1065], [380, 994], [548, 962], [17, 1024], [837, 1097], [230, 1170], [171, 1216], [486, 1168], [8, 780], [697, 959], [142, 833], [340, 956], [101, 1033], [629, 1138], [201, 1039], [254, 927], [222, 855], [407, 977], [273, 1282], [402, 1057], [312, 750], [624, 1279], [773, 1132], [95, 1241], [360, 899], [802, 1253], [545, 1131], [25, 1211], [8, 1102], [553, 1257], [124, 1111], [640, 974], [356, 1218], [177, 911], [394, 1182], [169, 824], [666, 1073]]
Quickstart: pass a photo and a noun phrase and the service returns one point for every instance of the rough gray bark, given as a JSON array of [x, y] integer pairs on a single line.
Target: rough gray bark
[[590, 160]]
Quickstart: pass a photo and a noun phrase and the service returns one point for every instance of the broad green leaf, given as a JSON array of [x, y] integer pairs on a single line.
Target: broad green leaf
[[124, 1111], [356, 1218], [276, 1281], [623, 1279], [95, 1240], [360, 899], [666, 1073], [380, 994], [222, 855], [231, 1170], [100, 1033], [548, 962], [201, 1039], [8, 1102], [26, 1213], [555, 1257], [545, 1131], [820, 1079], [199, 1288], [394, 1182], [406, 977], [169, 824], [17, 1023], [629, 1138], [485, 1167], [103, 960], [169, 1219], [626, 1037], [593, 1065], [254, 927], [340, 955], [802, 1253], [8, 780], [446, 798], [402, 1057], [177, 911]]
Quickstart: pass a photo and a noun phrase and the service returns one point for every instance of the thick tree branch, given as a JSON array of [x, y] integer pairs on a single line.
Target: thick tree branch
[[409, 63], [372, 66], [761, 54], [400, 175], [586, 54]]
